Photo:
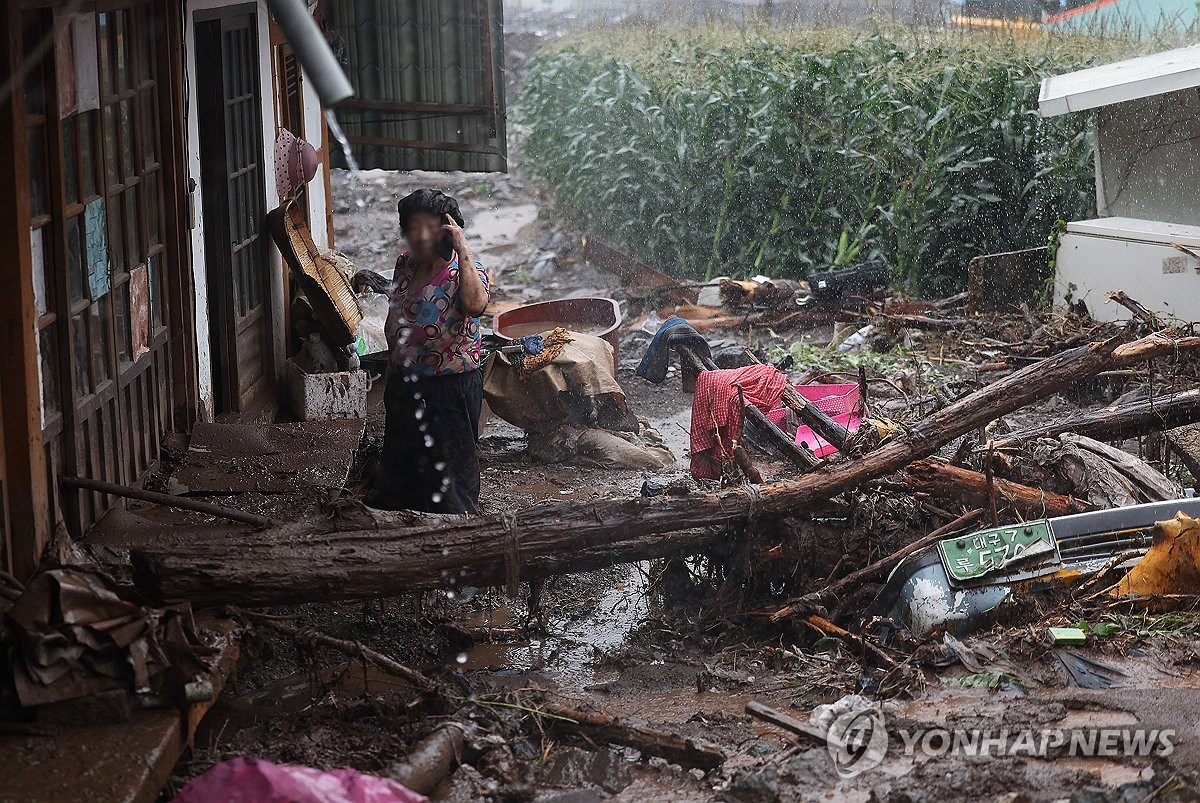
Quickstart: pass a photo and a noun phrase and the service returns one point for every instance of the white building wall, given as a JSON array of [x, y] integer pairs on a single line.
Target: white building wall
[[314, 132]]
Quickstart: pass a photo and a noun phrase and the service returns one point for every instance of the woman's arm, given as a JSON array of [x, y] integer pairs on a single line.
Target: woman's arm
[[472, 293]]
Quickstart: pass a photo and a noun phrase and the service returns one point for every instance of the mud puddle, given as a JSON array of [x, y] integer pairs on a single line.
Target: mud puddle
[[574, 641]]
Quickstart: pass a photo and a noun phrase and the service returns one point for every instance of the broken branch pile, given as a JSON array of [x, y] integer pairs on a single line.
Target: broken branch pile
[[300, 564]]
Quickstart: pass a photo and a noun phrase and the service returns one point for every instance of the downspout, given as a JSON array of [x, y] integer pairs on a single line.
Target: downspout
[[309, 45]]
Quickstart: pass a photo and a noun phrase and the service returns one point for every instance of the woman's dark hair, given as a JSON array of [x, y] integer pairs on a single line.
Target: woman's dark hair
[[433, 202]]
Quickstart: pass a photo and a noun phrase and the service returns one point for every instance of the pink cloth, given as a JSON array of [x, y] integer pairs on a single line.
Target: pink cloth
[[252, 780], [717, 411]]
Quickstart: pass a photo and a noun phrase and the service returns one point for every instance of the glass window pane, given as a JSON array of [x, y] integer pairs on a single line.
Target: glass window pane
[[70, 174], [156, 304], [76, 272], [87, 149], [103, 33], [149, 125], [99, 316], [116, 234], [150, 207], [81, 352], [128, 168], [37, 169], [145, 39], [48, 370], [133, 243], [35, 89], [121, 38], [37, 243], [121, 311], [110, 145]]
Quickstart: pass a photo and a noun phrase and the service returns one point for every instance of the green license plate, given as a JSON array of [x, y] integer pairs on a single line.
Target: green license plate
[[971, 557]]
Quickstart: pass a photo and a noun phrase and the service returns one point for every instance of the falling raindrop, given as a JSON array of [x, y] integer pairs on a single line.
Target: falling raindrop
[[439, 466], [461, 658], [435, 498], [445, 552], [428, 442]]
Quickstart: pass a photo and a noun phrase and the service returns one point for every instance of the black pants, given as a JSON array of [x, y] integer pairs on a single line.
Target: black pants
[[430, 461]]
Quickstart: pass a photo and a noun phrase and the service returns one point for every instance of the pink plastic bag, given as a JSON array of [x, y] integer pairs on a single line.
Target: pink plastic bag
[[252, 780]]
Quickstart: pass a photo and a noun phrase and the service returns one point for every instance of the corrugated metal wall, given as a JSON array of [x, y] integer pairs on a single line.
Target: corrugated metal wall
[[429, 84]]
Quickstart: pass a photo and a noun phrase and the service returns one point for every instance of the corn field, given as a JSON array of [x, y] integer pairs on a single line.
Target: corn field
[[766, 157]]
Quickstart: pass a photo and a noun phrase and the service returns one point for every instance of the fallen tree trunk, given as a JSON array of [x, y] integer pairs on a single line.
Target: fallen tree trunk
[[302, 564], [945, 481], [1121, 421]]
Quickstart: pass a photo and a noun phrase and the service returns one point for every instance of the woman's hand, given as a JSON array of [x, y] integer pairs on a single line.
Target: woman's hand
[[458, 237], [473, 296]]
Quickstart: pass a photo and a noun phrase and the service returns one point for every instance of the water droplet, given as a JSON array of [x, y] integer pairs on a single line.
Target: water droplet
[[336, 129], [419, 413], [461, 658], [428, 442], [435, 498], [445, 553], [439, 466]]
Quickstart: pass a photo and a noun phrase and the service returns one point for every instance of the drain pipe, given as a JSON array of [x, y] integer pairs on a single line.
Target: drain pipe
[[310, 47]]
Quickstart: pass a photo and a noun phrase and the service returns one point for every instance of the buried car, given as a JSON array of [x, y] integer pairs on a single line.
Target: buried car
[[959, 583]]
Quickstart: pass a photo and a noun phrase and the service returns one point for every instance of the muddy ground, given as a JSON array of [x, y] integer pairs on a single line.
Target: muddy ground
[[636, 641]]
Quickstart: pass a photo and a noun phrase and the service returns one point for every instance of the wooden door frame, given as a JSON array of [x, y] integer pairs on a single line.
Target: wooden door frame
[[180, 287], [218, 268], [28, 508]]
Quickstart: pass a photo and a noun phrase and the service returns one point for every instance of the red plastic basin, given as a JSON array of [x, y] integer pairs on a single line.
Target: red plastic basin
[[587, 316]]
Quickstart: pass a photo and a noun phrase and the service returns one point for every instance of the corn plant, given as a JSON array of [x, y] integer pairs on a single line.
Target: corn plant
[[716, 156]]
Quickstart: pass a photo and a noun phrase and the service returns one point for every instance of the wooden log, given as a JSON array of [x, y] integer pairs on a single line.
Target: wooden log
[[304, 563], [677, 749], [431, 759], [945, 481], [1120, 421]]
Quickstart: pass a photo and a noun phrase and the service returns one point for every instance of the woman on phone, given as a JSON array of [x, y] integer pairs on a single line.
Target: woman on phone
[[434, 387]]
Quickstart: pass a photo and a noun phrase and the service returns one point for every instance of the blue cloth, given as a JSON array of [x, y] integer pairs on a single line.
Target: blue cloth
[[533, 344], [656, 360]]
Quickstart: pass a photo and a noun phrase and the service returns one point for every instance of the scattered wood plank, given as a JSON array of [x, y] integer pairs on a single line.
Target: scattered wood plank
[[787, 723], [166, 500], [681, 750], [306, 563]]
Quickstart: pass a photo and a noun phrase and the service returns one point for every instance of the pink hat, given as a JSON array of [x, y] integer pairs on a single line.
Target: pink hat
[[295, 164]]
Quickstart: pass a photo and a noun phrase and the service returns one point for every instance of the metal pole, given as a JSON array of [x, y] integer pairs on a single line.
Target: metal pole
[[310, 47]]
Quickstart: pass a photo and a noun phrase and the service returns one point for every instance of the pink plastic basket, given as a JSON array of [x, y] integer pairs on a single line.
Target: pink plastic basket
[[842, 402]]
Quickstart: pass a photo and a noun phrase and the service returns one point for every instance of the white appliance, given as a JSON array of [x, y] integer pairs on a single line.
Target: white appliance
[[1137, 256]]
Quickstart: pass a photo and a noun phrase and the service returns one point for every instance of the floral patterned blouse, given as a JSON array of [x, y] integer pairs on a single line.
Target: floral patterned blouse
[[427, 333]]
